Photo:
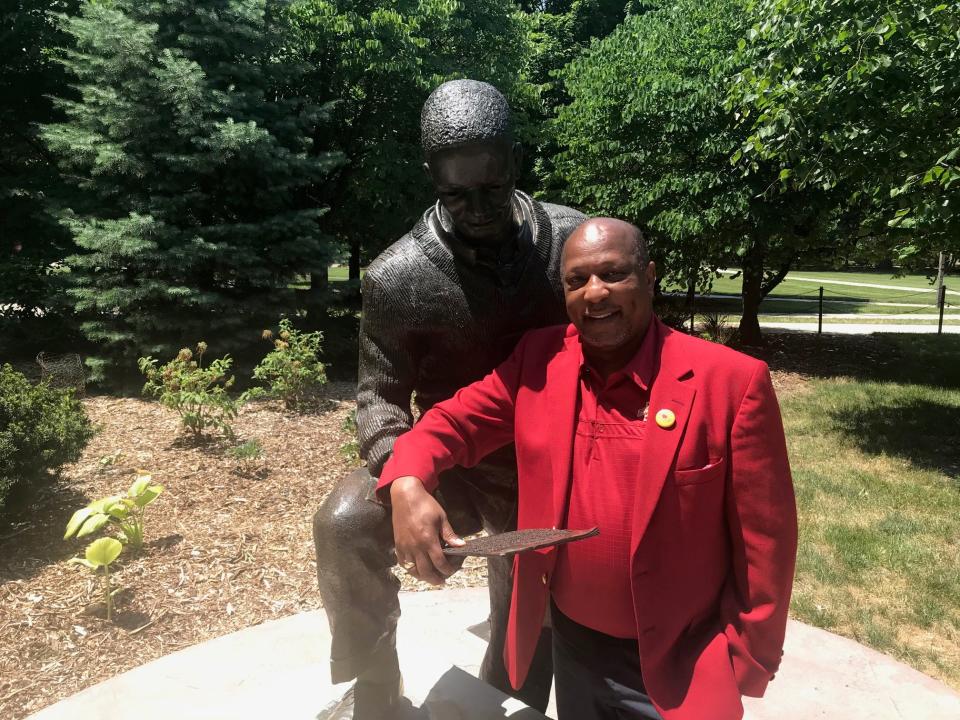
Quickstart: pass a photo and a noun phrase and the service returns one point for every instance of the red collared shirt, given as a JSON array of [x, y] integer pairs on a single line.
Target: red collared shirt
[[591, 582]]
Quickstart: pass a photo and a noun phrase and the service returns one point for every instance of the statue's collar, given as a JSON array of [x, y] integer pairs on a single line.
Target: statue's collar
[[506, 261]]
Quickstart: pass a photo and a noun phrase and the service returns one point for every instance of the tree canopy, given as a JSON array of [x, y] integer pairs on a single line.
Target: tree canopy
[[860, 99], [380, 60], [648, 137]]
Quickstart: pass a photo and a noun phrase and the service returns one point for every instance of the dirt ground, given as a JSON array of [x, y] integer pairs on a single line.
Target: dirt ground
[[227, 546]]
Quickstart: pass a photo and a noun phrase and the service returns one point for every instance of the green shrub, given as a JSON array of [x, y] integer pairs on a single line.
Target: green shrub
[[247, 456], [41, 429], [200, 395], [292, 371]]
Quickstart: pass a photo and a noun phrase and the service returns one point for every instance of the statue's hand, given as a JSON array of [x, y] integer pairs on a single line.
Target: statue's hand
[[419, 523]]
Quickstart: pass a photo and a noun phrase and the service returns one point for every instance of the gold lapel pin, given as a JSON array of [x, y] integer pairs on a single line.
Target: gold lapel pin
[[666, 419]]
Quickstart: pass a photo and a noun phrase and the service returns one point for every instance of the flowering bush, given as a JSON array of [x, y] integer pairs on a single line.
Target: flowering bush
[[292, 371], [199, 394]]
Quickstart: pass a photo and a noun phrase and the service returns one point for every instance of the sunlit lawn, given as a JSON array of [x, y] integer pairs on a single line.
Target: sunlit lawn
[[876, 464]]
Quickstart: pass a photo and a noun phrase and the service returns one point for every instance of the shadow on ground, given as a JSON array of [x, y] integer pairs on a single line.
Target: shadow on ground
[[932, 360], [32, 526], [921, 431]]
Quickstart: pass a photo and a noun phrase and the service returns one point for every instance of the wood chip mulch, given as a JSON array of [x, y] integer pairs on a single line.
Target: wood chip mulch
[[228, 546]]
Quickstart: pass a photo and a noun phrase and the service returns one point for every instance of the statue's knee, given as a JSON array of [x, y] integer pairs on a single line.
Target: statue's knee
[[346, 516]]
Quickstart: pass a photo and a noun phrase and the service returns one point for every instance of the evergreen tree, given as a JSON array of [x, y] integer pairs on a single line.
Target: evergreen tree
[[31, 241], [195, 173]]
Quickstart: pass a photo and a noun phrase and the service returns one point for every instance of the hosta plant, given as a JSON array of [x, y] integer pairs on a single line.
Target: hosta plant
[[123, 512], [98, 556]]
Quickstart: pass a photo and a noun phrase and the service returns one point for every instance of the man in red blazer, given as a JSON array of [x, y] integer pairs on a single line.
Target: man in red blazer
[[674, 447]]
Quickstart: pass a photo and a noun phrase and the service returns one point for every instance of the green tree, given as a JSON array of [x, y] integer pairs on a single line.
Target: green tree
[[31, 240], [647, 138], [195, 170], [860, 98], [381, 60]]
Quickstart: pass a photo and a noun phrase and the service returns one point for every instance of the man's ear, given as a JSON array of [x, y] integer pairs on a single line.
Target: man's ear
[[426, 169], [651, 276]]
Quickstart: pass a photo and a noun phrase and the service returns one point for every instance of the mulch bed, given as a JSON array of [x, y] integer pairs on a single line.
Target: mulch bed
[[228, 546]]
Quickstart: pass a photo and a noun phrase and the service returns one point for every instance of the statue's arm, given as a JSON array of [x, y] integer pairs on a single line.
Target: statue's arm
[[387, 372]]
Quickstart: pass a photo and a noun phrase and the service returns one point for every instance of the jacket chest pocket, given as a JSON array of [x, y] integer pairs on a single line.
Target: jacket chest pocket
[[712, 471]]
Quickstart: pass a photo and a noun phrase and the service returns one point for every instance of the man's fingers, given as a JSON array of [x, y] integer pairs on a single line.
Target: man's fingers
[[441, 562], [427, 572], [448, 534]]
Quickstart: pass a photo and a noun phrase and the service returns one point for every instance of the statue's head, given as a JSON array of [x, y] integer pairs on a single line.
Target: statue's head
[[471, 157]]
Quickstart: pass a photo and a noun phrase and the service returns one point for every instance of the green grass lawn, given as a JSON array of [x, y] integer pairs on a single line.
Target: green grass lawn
[[340, 273], [876, 463]]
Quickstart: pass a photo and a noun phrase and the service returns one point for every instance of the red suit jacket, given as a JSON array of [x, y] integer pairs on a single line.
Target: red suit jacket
[[714, 525]]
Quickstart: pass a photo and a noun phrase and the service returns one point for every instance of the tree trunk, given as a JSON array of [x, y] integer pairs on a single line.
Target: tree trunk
[[354, 268], [316, 299], [752, 295]]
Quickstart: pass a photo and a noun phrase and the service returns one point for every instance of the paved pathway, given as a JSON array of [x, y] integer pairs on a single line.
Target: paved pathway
[[857, 328], [850, 283], [279, 671]]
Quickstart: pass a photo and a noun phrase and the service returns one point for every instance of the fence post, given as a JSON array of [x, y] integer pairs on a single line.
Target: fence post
[[820, 320], [692, 294], [941, 301]]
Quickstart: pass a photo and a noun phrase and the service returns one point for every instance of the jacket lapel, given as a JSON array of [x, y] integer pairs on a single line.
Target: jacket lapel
[[562, 387], [668, 392]]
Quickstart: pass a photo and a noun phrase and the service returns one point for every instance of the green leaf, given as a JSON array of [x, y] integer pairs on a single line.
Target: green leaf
[[81, 561], [76, 521], [93, 523], [148, 495], [140, 484], [119, 510], [103, 551]]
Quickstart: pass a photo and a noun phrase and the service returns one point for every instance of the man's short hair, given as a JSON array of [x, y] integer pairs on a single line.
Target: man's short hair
[[464, 112], [640, 252]]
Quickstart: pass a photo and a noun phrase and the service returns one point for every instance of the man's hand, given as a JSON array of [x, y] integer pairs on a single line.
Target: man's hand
[[419, 523]]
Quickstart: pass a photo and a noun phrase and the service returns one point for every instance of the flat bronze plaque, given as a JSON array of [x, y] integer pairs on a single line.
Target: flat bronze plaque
[[517, 541]]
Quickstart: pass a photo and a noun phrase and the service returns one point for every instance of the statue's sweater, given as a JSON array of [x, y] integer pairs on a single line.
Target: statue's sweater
[[433, 321]]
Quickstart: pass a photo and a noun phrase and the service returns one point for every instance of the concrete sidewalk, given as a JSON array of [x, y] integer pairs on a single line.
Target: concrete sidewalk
[[856, 328], [279, 670]]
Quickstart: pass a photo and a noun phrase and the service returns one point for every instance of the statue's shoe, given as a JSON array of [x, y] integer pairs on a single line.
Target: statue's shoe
[[372, 702]]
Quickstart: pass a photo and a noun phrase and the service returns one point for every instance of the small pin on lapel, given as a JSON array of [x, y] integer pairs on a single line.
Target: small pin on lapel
[[666, 419]]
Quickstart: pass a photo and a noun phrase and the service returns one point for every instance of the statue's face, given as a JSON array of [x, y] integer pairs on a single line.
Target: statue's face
[[475, 185]]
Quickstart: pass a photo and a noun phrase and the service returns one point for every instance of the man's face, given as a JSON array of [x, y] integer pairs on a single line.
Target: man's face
[[475, 185], [609, 299]]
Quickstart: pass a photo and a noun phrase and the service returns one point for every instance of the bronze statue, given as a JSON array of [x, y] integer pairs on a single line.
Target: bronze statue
[[442, 307]]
